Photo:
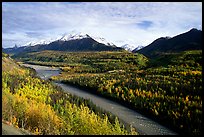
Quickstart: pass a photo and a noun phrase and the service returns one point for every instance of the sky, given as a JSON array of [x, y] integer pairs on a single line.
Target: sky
[[134, 23]]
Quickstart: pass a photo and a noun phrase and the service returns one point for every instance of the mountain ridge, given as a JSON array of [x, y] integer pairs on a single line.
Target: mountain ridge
[[70, 42], [68, 37], [190, 40]]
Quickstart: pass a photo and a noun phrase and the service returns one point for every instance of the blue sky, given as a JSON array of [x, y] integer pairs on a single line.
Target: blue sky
[[136, 23]]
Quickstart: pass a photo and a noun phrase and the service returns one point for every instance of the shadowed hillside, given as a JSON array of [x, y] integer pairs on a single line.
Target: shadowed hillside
[[190, 40]]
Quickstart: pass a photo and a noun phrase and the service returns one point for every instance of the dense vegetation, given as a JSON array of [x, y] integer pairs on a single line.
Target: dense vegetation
[[86, 62], [42, 108], [168, 89]]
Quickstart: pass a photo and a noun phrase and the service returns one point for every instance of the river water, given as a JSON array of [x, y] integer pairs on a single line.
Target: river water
[[143, 125]]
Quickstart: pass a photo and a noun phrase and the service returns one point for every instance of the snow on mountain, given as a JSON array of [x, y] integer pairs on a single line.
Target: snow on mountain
[[70, 36], [40, 42], [74, 36], [29, 44], [103, 41], [138, 48], [128, 47], [65, 37], [80, 35]]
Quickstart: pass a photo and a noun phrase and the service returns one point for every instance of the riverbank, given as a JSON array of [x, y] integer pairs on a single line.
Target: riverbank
[[143, 124]]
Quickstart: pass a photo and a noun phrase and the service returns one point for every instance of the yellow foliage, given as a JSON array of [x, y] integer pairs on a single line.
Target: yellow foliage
[[47, 120], [196, 72], [27, 108]]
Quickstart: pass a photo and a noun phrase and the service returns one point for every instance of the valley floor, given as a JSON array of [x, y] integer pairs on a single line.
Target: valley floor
[[143, 125]]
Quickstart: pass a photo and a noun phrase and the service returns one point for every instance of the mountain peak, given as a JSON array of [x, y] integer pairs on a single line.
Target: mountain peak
[[193, 29], [128, 47], [74, 36]]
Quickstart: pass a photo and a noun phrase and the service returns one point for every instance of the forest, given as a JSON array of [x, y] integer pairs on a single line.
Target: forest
[[167, 89], [42, 108]]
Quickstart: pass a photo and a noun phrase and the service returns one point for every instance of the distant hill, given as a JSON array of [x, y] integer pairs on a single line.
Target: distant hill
[[191, 40], [72, 43]]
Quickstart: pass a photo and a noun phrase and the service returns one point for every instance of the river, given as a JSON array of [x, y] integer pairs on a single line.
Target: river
[[143, 125]]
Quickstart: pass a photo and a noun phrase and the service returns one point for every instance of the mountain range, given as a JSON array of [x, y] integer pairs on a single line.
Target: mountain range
[[191, 40], [68, 42]]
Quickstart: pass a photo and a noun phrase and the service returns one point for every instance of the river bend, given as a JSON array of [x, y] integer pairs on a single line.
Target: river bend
[[143, 125]]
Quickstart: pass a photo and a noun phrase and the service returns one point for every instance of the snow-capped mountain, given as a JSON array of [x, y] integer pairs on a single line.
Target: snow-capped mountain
[[103, 41], [80, 35], [74, 42], [138, 48], [33, 43], [74, 36], [30, 43], [65, 37], [40, 42], [68, 37], [128, 47]]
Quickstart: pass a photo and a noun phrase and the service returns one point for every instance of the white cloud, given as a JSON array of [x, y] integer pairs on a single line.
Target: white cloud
[[115, 21]]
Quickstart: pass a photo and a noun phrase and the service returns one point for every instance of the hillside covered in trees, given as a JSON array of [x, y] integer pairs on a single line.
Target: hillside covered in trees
[[169, 92], [37, 105]]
